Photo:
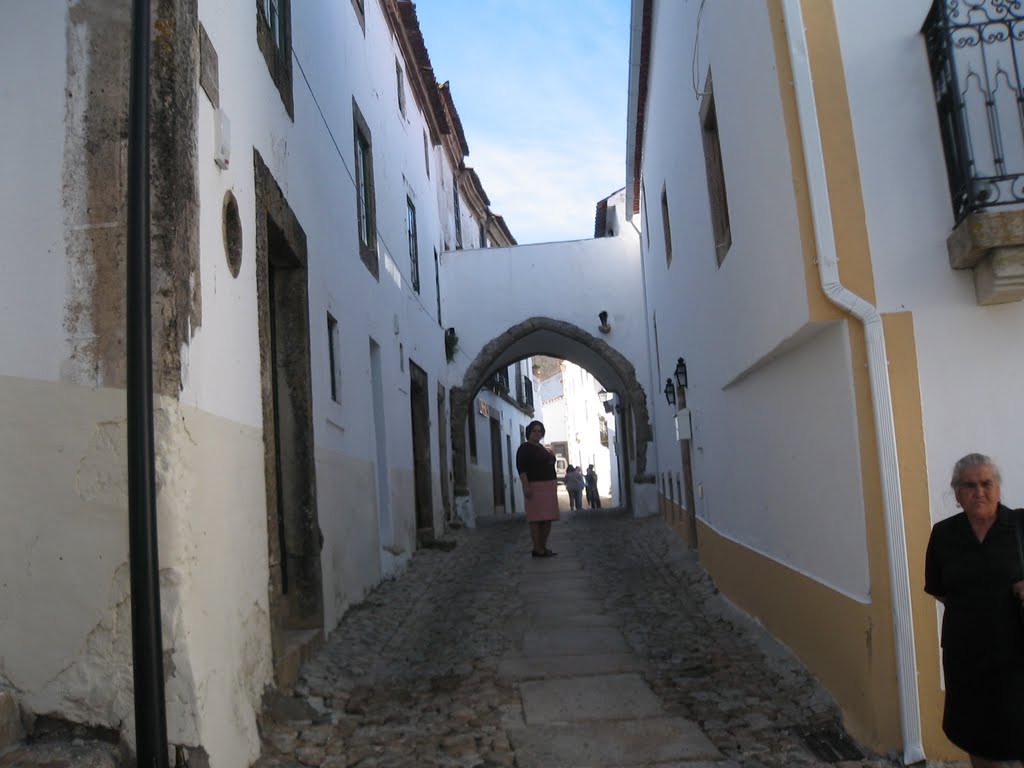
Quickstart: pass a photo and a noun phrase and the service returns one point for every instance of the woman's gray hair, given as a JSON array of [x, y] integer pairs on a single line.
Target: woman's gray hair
[[973, 460]]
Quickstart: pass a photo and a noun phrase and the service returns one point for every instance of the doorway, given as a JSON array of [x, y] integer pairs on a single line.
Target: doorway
[[294, 537], [420, 413], [511, 474], [442, 454], [497, 468]]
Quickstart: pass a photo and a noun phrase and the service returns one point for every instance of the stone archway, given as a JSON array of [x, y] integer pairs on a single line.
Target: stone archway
[[496, 353]]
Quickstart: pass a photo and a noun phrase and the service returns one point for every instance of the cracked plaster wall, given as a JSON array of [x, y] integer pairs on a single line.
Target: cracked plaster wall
[[64, 607], [65, 623]]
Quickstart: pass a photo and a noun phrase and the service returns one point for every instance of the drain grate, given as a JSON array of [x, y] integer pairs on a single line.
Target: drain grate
[[830, 743]]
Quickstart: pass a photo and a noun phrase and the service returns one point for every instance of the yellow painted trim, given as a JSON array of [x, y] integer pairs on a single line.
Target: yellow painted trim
[[832, 634], [906, 405], [818, 306], [843, 172]]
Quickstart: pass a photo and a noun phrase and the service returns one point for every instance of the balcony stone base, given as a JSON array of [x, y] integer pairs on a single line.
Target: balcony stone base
[[992, 245]]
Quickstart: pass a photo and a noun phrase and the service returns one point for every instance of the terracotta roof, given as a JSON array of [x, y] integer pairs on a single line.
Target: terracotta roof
[[641, 103], [499, 221], [446, 94], [411, 27], [478, 187]]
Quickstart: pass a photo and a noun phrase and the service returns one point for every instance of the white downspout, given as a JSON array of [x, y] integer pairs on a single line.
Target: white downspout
[[881, 395]]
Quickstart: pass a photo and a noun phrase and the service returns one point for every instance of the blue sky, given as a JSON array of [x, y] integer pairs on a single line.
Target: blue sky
[[540, 86]]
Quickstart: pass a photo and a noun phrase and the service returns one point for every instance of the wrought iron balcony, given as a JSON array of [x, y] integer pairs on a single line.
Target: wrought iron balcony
[[976, 53]]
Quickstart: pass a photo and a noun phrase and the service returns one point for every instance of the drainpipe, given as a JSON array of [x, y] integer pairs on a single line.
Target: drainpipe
[[147, 654], [881, 395]]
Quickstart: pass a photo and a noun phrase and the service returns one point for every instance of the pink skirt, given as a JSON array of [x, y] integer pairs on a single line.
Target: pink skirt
[[543, 502]]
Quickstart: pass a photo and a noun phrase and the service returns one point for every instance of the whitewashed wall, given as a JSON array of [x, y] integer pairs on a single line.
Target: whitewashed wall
[[531, 280], [335, 62], [64, 447], [769, 392], [970, 358], [33, 272]]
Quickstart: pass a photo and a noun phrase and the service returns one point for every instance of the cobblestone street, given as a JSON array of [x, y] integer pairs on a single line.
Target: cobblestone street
[[618, 652]]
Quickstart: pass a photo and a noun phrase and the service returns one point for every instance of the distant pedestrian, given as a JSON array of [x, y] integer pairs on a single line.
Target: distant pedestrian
[[536, 467], [574, 484], [593, 497], [973, 567]]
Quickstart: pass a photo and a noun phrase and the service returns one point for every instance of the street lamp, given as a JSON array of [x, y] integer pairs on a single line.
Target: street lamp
[[670, 392], [680, 372]]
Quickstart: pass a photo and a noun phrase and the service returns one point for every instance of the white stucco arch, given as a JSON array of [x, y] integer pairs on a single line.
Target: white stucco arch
[[546, 300]]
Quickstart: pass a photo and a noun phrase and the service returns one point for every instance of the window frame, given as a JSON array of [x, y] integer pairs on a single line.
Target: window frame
[[333, 349], [414, 255], [718, 198], [458, 213], [366, 213], [666, 224], [274, 41], [359, 6], [400, 85]]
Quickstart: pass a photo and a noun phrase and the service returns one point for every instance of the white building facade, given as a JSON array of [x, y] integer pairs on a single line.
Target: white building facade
[[798, 238], [308, 176]]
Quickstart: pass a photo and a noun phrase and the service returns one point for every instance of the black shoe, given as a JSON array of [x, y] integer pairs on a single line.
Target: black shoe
[[535, 553], [548, 553]]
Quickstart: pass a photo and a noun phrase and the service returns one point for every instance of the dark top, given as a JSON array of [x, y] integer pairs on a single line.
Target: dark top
[[536, 462], [981, 621]]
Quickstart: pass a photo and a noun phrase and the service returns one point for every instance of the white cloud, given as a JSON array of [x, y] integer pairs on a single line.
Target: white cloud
[[547, 193]]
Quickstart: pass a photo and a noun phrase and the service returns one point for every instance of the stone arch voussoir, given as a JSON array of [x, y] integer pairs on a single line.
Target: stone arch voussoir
[[484, 363]]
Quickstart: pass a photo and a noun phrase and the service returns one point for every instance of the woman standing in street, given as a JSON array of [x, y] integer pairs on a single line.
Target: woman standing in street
[[973, 567], [536, 467]]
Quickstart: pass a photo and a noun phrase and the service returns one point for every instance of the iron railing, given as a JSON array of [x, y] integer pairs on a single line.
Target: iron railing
[[977, 63]]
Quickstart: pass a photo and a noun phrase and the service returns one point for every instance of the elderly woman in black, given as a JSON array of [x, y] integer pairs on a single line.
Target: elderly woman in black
[[973, 568], [536, 467]]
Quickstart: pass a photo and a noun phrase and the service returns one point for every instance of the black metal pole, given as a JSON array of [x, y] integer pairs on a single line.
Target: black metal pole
[[147, 651]]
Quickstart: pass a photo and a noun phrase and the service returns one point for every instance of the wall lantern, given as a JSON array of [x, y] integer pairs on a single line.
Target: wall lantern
[[604, 327], [670, 392], [680, 372], [606, 398]]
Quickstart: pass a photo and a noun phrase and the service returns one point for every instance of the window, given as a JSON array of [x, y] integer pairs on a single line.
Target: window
[[666, 226], [437, 285], [426, 154], [458, 213], [332, 351], [414, 256], [472, 437], [400, 83], [717, 197], [360, 10], [366, 222], [483, 235], [273, 35], [644, 203]]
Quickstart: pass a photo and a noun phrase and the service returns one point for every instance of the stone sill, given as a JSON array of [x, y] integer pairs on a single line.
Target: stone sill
[[992, 245]]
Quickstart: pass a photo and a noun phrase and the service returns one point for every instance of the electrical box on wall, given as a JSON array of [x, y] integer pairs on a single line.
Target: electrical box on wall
[[221, 139]]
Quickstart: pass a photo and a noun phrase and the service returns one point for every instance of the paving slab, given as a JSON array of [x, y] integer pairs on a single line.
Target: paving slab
[[547, 583], [559, 641], [538, 565], [598, 697], [540, 593], [549, 667], [565, 608], [555, 620], [612, 744]]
